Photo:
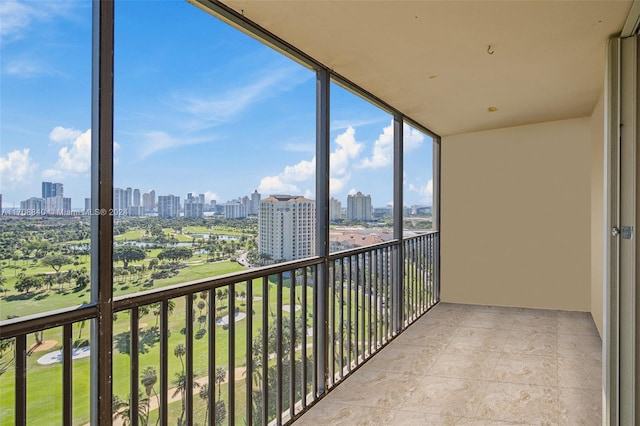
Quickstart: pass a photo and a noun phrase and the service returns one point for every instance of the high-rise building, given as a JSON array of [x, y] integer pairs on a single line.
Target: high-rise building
[[193, 207], [149, 201], [128, 198], [359, 207], [235, 210], [119, 199], [50, 189], [57, 205], [335, 209], [287, 227], [136, 198], [33, 204], [87, 205], [254, 207], [168, 206]]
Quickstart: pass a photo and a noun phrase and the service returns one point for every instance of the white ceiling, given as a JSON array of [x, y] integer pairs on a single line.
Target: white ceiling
[[429, 59]]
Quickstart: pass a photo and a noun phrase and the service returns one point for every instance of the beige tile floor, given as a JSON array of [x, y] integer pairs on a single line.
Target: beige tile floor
[[476, 365]]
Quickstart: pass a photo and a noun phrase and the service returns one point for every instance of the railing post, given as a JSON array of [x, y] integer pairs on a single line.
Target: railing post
[[101, 202], [398, 257], [322, 223]]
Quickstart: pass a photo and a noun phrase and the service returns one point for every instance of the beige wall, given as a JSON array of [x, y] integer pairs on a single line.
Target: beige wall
[[516, 216], [597, 214]]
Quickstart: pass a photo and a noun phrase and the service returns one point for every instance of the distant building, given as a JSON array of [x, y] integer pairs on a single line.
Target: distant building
[[335, 209], [87, 205], [135, 211], [34, 204], [119, 199], [235, 210], [168, 206], [380, 212], [193, 206], [50, 189], [423, 211], [359, 207], [128, 198], [254, 207], [286, 227], [136, 198], [149, 201], [57, 205]]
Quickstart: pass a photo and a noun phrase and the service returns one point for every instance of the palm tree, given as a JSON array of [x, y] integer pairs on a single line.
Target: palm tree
[[181, 389], [180, 351], [148, 380], [204, 395], [221, 375]]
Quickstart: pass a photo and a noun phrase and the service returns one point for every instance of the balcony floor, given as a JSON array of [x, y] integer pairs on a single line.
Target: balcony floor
[[480, 365]]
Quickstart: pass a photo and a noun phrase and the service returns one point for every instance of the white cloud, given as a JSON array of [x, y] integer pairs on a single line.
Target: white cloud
[[348, 148], [345, 124], [286, 182], [18, 16], [25, 67], [425, 191], [64, 134], [52, 174], [302, 171], [210, 195], [412, 138], [156, 141], [16, 167], [77, 157], [299, 147], [216, 108], [382, 150], [382, 154], [275, 185], [336, 185], [15, 17]]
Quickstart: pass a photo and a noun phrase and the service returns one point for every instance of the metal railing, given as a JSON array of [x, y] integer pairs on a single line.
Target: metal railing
[[246, 348]]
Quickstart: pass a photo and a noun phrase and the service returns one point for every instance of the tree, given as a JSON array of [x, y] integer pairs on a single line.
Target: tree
[[175, 253], [26, 283], [221, 412], [181, 389], [148, 380], [221, 375], [56, 261], [179, 351], [204, 395], [128, 253], [153, 263]]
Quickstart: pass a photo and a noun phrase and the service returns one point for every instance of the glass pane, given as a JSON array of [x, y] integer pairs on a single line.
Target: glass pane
[[209, 124], [418, 181], [361, 172], [45, 155]]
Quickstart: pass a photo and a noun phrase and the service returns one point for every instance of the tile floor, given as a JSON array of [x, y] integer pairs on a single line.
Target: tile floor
[[476, 365]]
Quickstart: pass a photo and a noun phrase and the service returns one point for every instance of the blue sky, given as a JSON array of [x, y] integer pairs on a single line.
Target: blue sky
[[199, 107]]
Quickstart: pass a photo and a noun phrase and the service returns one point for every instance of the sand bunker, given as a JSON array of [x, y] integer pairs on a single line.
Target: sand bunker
[[44, 346], [225, 319], [56, 356]]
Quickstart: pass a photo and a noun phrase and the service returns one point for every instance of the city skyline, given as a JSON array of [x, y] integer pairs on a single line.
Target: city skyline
[[138, 201], [229, 128]]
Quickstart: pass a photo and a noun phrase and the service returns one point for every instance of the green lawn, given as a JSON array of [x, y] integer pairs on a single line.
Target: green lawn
[[47, 409]]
